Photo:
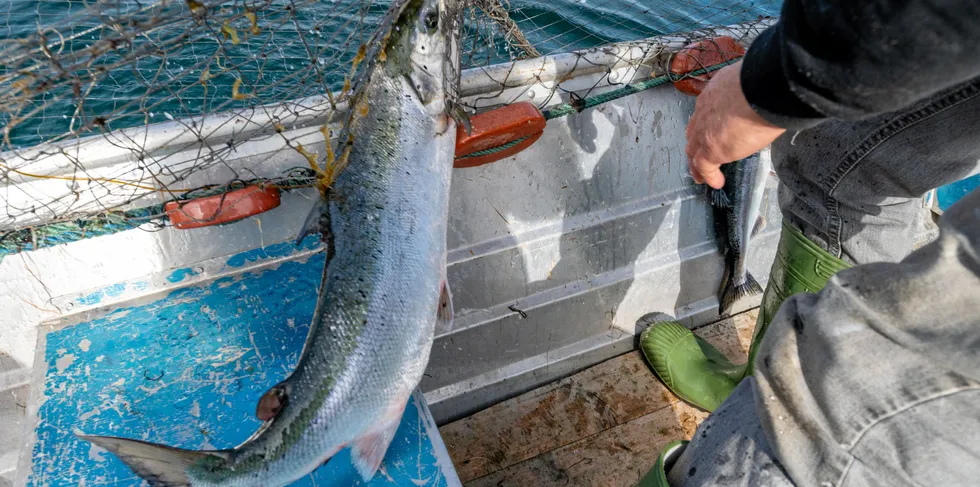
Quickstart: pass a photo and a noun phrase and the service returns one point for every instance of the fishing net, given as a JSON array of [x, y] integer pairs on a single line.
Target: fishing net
[[111, 108], [521, 29]]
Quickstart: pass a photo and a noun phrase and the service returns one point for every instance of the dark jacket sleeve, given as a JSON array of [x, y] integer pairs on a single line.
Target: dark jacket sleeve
[[850, 59]]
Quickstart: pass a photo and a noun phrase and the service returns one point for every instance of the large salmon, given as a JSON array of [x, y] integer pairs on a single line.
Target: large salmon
[[384, 286]]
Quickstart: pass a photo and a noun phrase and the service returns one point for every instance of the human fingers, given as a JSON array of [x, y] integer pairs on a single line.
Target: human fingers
[[708, 170]]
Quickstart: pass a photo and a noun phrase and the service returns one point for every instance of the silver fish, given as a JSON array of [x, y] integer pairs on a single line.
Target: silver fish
[[737, 208], [384, 285]]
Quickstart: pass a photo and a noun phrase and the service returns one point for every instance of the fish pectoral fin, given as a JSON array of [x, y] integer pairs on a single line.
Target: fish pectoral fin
[[315, 222], [444, 315], [718, 198], [369, 450], [760, 224], [160, 465], [462, 118], [272, 402]]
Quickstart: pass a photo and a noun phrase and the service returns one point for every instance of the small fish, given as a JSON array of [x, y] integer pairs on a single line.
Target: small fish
[[737, 208], [383, 291]]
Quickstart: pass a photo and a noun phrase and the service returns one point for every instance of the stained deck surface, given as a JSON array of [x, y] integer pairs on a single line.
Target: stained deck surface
[[603, 426]]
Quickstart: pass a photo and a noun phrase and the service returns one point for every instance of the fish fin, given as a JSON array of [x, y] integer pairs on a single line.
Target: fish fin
[[462, 118], [272, 402], [444, 315], [315, 221], [734, 292], [160, 465], [719, 199], [760, 224], [369, 450]]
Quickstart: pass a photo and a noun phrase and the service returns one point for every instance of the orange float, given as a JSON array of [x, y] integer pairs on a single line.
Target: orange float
[[498, 134], [700, 55], [222, 208]]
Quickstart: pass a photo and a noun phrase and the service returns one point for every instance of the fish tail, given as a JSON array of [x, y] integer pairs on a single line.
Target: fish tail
[[735, 291], [159, 465]]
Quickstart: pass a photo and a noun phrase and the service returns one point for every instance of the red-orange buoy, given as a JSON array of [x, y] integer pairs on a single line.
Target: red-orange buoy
[[222, 208], [700, 55], [498, 134]]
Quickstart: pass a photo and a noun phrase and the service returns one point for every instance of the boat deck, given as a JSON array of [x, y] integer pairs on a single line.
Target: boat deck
[[603, 426]]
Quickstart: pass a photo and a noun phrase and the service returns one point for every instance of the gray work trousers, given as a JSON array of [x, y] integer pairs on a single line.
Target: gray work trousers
[[874, 381]]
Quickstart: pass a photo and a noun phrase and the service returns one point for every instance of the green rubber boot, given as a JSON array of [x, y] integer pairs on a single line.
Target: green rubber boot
[[801, 266], [700, 374], [689, 366], [657, 476]]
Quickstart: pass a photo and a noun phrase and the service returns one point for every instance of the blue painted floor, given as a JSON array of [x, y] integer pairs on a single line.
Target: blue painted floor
[[187, 371], [951, 193]]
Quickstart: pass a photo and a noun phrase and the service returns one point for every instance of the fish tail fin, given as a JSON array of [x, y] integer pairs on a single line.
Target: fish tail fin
[[719, 199], [160, 465], [369, 450], [735, 291]]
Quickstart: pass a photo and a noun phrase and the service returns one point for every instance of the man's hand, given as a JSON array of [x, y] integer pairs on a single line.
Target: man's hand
[[724, 128]]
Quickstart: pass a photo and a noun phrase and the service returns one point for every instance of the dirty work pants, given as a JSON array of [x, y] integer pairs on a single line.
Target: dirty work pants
[[874, 381]]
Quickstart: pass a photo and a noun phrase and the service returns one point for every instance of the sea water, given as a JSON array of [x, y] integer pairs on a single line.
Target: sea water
[[302, 49]]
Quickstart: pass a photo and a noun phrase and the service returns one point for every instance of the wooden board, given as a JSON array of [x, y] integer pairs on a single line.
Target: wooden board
[[602, 426], [618, 456]]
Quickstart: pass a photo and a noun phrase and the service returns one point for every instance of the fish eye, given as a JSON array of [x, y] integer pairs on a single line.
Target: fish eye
[[430, 19]]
